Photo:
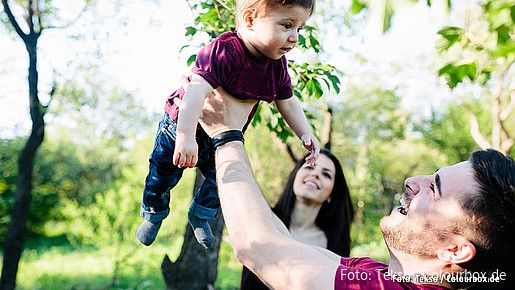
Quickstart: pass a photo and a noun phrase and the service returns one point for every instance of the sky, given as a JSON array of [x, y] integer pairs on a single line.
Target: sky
[[137, 44]]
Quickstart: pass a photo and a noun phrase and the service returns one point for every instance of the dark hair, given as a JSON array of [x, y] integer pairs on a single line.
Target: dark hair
[[493, 206], [334, 218], [263, 6]]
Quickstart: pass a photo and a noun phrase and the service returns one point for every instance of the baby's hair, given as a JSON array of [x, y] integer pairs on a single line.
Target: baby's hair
[[261, 7]]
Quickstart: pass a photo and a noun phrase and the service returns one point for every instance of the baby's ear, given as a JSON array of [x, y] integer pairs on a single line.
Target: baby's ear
[[249, 15]]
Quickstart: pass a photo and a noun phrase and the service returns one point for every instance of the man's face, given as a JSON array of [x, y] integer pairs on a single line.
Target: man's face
[[430, 211]]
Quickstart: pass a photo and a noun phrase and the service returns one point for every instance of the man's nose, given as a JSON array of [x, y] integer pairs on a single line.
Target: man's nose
[[412, 184]]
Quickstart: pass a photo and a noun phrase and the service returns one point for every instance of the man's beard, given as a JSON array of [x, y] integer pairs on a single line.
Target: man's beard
[[418, 241]]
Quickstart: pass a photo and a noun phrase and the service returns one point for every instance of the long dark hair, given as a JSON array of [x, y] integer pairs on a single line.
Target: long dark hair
[[334, 218]]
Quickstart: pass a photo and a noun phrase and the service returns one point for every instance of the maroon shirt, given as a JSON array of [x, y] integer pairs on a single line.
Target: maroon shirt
[[226, 62], [365, 273]]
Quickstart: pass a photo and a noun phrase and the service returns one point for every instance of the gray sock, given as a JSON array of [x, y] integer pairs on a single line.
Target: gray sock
[[202, 231], [147, 232]]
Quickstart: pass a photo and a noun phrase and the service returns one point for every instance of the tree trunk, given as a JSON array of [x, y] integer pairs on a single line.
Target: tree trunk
[[23, 196], [196, 267]]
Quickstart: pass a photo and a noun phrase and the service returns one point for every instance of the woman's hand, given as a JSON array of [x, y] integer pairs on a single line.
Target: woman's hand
[[222, 112]]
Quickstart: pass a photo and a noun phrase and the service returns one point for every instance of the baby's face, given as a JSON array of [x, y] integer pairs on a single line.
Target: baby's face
[[276, 33]]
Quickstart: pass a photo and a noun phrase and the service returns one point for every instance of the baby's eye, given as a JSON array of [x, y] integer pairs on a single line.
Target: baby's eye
[[309, 167], [300, 28], [287, 25]]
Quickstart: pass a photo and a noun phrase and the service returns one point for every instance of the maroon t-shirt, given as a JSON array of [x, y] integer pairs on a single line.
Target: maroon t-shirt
[[226, 62], [365, 273]]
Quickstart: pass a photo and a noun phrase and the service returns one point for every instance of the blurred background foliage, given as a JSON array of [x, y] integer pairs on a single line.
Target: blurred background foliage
[[89, 172]]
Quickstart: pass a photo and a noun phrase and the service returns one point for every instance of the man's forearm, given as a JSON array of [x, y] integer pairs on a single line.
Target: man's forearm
[[247, 215]]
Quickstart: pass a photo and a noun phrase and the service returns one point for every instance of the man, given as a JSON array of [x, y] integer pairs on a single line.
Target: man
[[455, 227]]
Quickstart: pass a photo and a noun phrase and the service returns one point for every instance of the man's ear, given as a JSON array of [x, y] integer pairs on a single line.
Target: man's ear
[[460, 251], [249, 15]]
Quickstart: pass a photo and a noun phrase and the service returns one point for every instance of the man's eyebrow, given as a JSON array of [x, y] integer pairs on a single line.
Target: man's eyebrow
[[438, 184]]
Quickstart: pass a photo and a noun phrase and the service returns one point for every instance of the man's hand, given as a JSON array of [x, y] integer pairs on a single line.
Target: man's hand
[[311, 143], [186, 151], [222, 112]]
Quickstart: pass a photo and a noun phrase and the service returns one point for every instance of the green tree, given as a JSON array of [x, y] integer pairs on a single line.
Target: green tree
[[38, 15], [448, 130], [380, 12], [483, 51]]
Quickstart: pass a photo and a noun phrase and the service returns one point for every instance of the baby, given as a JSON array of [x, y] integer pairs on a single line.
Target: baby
[[248, 64]]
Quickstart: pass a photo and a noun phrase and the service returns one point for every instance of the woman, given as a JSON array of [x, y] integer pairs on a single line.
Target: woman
[[316, 207]]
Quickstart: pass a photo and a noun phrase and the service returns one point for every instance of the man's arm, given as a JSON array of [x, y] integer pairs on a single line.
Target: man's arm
[[190, 109], [258, 242]]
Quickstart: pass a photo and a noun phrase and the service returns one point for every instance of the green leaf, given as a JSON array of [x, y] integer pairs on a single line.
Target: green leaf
[[336, 82], [428, 3], [452, 35], [357, 6], [310, 86], [190, 31], [503, 34], [387, 23], [505, 49], [455, 74], [318, 89], [183, 47], [191, 60], [314, 43], [302, 40]]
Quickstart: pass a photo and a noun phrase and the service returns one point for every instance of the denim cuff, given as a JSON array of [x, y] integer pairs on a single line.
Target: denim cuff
[[202, 212], [154, 217]]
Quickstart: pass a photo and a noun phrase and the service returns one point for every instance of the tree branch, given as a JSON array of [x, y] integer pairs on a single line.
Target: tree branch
[[506, 145], [505, 113], [13, 21], [52, 92], [287, 147], [325, 139], [30, 23], [476, 134], [223, 4], [216, 9], [84, 9]]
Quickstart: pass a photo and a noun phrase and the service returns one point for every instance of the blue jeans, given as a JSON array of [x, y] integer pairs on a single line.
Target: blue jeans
[[163, 176]]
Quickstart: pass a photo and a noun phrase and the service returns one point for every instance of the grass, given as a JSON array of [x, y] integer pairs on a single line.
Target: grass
[[56, 264]]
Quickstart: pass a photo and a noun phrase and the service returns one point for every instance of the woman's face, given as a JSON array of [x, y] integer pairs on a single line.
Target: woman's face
[[314, 184]]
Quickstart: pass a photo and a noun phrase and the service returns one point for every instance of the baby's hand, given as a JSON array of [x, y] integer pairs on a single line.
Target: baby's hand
[[186, 151], [311, 143]]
